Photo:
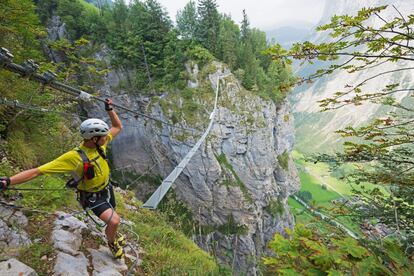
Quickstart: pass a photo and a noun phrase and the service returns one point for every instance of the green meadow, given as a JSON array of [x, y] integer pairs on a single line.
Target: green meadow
[[324, 187]]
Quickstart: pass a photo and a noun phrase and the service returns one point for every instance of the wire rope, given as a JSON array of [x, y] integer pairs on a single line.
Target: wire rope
[[158, 195], [48, 79]]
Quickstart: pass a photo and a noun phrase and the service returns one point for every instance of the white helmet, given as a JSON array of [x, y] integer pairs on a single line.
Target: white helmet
[[93, 127]]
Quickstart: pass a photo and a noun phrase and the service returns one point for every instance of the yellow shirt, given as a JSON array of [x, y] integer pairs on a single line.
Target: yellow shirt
[[72, 162]]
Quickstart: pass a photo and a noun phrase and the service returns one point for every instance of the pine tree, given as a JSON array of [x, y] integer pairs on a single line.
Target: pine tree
[[229, 40], [209, 24], [187, 21], [245, 27]]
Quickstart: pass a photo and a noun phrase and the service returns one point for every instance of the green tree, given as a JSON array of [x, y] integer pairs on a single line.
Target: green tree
[[142, 40], [229, 41], [248, 62], [259, 44], [19, 28], [187, 21], [245, 28], [209, 24], [381, 151], [72, 13], [19, 32]]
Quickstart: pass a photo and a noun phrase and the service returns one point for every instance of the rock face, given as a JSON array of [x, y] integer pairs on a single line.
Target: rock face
[[12, 234], [67, 237], [14, 267], [314, 130], [235, 185], [78, 247], [56, 30]]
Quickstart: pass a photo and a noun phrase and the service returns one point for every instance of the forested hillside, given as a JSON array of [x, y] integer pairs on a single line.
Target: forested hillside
[[142, 42], [81, 42], [228, 213]]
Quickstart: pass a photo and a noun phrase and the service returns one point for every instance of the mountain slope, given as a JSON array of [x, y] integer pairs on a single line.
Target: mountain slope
[[315, 130]]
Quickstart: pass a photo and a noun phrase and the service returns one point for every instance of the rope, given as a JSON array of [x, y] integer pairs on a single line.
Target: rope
[[130, 271], [47, 80], [36, 189], [14, 206], [17, 104]]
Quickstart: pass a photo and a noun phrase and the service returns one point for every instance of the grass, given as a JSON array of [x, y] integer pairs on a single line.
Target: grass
[[316, 179], [321, 174], [39, 228], [320, 195], [167, 251], [284, 160], [275, 208], [224, 162]]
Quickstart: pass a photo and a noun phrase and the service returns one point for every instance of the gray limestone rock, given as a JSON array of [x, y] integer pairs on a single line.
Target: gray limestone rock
[[67, 234], [68, 222], [13, 267], [233, 176], [12, 238], [13, 216], [66, 241], [104, 263], [67, 265], [56, 30], [192, 69]]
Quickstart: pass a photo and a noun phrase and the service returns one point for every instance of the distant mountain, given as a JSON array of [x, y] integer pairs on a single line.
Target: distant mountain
[[315, 130], [287, 35]]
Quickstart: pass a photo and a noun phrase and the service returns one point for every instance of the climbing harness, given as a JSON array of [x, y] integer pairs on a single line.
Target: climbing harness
[[88, 169]]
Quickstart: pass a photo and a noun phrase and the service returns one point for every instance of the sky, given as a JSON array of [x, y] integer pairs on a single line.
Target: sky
[[262, 14]]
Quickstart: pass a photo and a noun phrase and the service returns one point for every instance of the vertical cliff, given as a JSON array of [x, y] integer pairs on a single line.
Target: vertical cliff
[[238, 183]]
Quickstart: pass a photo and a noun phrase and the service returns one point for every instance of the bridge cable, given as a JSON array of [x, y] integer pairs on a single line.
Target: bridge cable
[[18, 104], [158, 195], [28, 69]]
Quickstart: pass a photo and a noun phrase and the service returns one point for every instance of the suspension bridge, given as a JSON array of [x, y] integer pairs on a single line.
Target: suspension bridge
[[29, 68]]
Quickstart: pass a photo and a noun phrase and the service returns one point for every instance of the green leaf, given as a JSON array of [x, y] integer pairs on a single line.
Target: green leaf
[[395, 253], [351, 247], [280, 245], [289, 272]]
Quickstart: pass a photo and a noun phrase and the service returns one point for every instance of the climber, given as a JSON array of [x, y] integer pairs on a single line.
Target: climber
[[89, 167]]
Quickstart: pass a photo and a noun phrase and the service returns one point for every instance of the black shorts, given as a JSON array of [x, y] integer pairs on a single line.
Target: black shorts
[[98, 202]]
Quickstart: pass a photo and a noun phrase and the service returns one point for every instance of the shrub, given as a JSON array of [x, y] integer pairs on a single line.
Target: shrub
[[275, 208], [284, 160], [305, 252], [200, 55]]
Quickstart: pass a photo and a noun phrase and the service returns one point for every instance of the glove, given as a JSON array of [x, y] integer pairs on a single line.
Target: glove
[[4, 183], [108, 105]]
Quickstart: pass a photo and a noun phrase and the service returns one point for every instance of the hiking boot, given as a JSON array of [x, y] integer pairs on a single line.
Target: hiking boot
[[116, 250], [121, 240]]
